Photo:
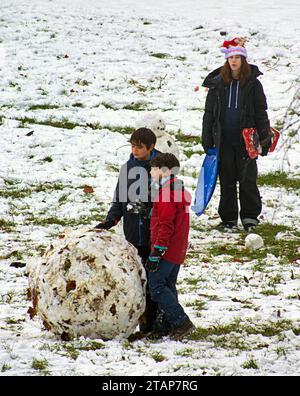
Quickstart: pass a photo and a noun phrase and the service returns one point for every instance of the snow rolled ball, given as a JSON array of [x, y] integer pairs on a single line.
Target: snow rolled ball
[[254, 241], [89, 283]]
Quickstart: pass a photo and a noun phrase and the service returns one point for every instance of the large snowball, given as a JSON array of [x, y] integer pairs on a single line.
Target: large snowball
[[89, 283], [165, 142]]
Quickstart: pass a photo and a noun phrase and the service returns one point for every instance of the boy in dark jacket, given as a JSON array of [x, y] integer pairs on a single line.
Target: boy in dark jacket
[[169, 242], [132, 201]]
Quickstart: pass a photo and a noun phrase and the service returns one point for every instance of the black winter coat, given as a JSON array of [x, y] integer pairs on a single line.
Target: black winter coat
[[136, 219], [253, 112]]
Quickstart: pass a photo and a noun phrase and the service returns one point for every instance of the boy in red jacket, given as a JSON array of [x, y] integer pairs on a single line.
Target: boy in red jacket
[[169, 241]]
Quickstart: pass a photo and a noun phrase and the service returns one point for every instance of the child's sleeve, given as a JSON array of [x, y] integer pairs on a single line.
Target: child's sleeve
[[166, 222]]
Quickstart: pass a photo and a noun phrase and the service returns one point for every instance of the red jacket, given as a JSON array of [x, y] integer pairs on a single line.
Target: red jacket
[[170, 220]]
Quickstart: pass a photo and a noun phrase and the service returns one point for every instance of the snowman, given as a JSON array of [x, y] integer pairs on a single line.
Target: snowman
[[165, 142]]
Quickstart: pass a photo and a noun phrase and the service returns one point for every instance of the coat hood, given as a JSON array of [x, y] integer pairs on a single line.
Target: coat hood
[[174, 189], [214, 77]]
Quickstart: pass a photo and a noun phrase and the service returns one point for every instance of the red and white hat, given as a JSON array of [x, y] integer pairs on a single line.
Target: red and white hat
[[234, 47]]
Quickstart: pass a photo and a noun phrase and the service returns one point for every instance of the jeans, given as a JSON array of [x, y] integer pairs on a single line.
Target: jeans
[[162, 286]]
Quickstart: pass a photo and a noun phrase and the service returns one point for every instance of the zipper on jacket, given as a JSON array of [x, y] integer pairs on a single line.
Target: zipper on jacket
[[140, 221]]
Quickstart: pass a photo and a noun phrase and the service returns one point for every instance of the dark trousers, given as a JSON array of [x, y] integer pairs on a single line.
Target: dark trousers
[[162, 285], [149, 316], [233, 169]]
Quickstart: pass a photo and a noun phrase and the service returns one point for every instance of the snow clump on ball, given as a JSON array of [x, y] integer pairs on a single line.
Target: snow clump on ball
[[254, 241], [89, 283]]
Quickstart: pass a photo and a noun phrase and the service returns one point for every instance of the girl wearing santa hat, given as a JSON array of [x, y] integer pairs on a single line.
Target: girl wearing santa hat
[[235, 101]]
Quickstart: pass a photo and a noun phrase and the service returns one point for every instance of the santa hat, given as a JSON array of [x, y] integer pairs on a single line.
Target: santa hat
[[234, 47]]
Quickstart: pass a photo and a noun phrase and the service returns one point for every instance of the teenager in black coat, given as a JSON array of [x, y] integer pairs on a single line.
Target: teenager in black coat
[[235, 100]]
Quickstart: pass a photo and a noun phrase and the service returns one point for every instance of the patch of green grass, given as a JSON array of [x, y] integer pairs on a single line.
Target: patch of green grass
[[186, 352], [231, 342], [259, 266], [39, 364], [197, 304], [292, 133], [83, 83], [7, 225], [186, 140], [210, 297], [47, 159], [162, 55], [268, 329], [123, 130], [14, 254], [8, 297], [190, 152], [236, 250], [109, 106], [65, 124], [62, 221], [140, 87], [270, 292], [72, 350], [5, 367], [11, 182], [14, 193], [92, 346], [138, 106], [279, 179], [281, 351], [275, 279], [250, 364], [13, 321], [43, 107], [278, 247], [157, 356], [202, 333], [193, 283], [113, 168]]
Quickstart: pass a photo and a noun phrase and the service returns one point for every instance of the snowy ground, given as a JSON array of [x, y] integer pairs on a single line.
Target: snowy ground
[[75, 76]]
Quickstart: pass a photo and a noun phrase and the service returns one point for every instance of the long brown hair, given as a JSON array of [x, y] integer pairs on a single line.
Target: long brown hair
[[245, 72]]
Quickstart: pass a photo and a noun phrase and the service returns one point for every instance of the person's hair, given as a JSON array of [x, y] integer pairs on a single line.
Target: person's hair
[[144, 136], [245, 72], [166, 160]]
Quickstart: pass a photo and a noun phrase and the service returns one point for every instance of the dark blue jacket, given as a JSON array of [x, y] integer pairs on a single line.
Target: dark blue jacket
[[231, 124], [133, 183]]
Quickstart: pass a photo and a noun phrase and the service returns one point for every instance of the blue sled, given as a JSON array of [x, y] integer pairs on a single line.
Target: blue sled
[[206, 182]]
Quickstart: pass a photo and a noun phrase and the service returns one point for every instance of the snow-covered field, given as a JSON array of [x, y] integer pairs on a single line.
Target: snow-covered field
[[75, 77]]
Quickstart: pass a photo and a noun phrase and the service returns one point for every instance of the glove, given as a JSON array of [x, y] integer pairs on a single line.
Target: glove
[[266, 143], [106, 225], [153, 260], [265, 149]]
